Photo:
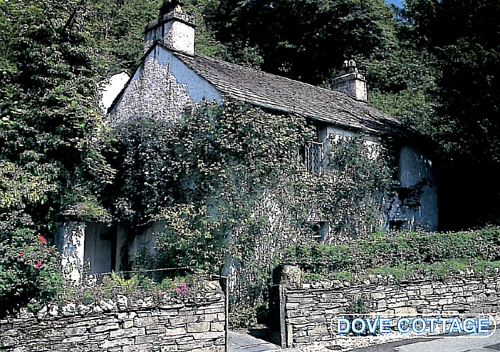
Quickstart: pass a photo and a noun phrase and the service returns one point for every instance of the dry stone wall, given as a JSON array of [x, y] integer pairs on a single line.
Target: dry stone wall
[[123, 326], [309, 309]]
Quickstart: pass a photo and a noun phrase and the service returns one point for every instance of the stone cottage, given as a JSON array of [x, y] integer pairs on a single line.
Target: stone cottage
[[172, 74]]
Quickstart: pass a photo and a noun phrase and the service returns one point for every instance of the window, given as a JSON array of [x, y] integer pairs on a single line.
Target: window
[[314, 157]]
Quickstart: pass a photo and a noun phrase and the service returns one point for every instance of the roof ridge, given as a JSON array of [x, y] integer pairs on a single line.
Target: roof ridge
[[272, 91], [179, 53]]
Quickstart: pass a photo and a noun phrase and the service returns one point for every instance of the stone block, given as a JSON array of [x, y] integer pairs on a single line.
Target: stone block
[[318, 330], [382, 304], [399, 304], [8, 342], [128, 324], [75, 339], [168, 348], [138, 348], [145, 321], [80, 330], [208, 335], [378, 295], [471, 299], [155, 330], [216, 327], [444, 301], [198, 327], [132, 332], [426, 291], [145, 339], [174, 332], [405, 311], [115, 343], [106, 327]]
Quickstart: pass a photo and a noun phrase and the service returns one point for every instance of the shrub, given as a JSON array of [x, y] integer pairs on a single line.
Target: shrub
[[400, 254]]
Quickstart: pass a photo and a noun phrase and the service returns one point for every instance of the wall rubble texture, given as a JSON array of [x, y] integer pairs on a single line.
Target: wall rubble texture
[[310, 308], [153, 93], [122, 326]]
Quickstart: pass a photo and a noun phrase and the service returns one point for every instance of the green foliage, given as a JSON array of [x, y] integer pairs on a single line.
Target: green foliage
[[459, 35], [358, 176], [305, 37], [468, 59], [49, 150], [401, 254], [137, 287], [228, 181], [117, 26], [29, 267], [190, 239], [142, 153]]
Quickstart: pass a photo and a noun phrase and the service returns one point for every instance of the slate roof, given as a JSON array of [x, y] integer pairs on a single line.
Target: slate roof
[[283, 94], [287, 95]]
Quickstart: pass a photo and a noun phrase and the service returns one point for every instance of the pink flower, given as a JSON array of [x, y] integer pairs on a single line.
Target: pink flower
[[181, 289], [38, 265], [22, 260], [42, 239], [50, 250]]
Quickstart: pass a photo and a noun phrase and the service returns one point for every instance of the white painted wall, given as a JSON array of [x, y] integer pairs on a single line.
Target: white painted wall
[[70, 241], [112, 88], [161, 88], [413, 167]]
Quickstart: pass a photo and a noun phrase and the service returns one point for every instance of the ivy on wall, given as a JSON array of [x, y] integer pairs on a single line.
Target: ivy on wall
[[230, 185]]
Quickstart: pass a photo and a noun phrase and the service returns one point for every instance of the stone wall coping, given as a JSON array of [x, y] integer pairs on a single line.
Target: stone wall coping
[[211, 292], [371, 280]]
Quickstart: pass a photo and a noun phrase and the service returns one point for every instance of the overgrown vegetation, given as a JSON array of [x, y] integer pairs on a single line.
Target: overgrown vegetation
[[228, 181], [229, 184], [401, 254], [138, 287]]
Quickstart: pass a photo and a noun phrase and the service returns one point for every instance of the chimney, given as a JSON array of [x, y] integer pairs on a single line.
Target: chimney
[[351, 81], [173, 27]]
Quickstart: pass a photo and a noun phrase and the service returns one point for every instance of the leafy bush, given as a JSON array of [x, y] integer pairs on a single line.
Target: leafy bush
[[229, 183], [136, 287], [402, 253]]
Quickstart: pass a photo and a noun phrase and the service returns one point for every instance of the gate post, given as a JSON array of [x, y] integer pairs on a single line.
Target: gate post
[[282, 322], [226, 313]]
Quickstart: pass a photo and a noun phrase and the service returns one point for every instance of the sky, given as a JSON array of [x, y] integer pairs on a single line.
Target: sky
[[395, 2]]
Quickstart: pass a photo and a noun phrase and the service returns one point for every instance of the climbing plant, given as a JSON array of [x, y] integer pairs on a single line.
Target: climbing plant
[[230, 186]]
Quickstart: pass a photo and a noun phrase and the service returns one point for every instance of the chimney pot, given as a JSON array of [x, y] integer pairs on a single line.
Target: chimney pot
[[351, 81], [175, 29]]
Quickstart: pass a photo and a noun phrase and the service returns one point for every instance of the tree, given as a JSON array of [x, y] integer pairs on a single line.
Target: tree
[[50, 155], [305, 40], [465, 38], [117, 26]]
